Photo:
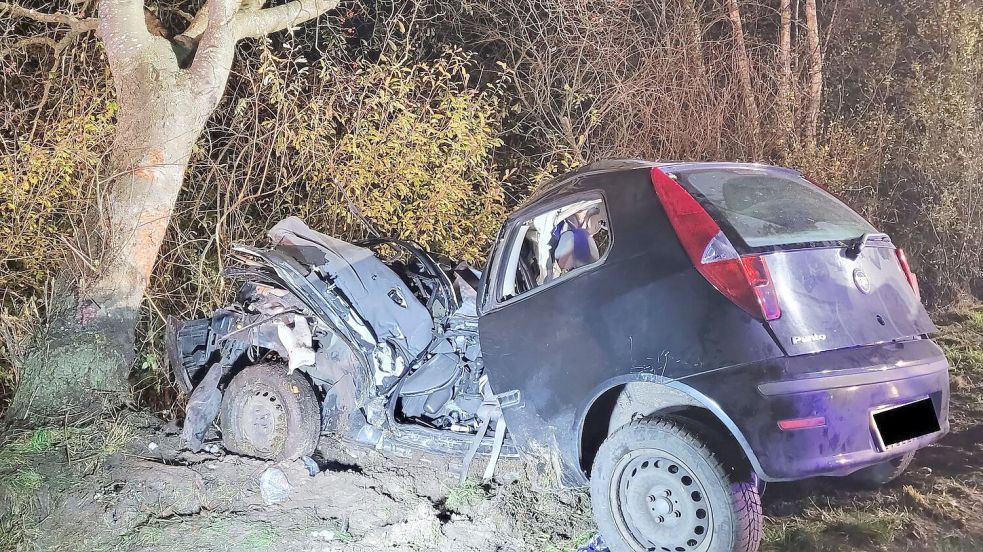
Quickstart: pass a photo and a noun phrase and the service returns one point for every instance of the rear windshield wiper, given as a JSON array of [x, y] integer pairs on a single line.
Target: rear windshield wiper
[[855, 245]]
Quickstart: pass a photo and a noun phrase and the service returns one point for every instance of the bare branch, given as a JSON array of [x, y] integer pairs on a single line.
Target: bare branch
[[14, 10], [26, 43], [77, 26], [59, 48], [270, 20]]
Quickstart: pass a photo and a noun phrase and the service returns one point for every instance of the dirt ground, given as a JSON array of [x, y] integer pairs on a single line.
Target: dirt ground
[[123, 483], [359, 499]]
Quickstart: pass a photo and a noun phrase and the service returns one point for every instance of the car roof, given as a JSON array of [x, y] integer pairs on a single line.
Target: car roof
[[565, 182]]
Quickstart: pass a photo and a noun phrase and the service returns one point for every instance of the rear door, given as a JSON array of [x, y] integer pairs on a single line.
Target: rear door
[[840, 283]]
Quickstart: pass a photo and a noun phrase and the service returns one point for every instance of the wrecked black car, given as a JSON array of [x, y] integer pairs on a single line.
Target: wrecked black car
[[673, 335]]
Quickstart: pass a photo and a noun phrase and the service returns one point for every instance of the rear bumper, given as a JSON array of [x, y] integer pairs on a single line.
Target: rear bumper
[[844, 387]]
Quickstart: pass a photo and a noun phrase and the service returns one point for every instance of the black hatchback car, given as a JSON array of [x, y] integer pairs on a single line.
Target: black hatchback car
[[672, 334]]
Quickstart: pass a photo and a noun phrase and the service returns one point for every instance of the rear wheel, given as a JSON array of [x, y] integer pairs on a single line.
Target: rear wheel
[[881, 474], [270, 414], [657, 487]]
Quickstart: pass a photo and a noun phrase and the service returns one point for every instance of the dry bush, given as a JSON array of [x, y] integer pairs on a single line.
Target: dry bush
[[633, 78], [905, 142], [627, 78], [55, 127]]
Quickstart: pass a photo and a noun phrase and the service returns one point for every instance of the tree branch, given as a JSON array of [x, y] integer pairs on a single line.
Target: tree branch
[[260, 23], [14, 10], [200, 20], [213, 60], [77, 26], [123, 27], [25, 43]]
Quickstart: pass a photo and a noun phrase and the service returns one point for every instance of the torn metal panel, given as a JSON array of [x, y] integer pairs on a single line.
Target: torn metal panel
[[372, 289]]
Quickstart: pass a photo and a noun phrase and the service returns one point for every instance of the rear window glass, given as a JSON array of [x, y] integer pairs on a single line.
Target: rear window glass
[[768, 209]]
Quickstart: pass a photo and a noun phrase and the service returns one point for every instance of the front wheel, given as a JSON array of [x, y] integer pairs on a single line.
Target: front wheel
[[657, 487], [270, 414]]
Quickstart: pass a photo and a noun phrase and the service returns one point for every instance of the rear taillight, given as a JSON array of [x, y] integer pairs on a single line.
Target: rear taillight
[[912, 279], [744, 280]]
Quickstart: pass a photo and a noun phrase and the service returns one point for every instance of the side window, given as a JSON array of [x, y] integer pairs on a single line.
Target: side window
[[555, 243]]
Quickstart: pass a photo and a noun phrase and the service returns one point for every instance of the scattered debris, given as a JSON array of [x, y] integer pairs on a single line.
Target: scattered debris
[[273, 486], [312, 467], [325, 535], [596, 544]]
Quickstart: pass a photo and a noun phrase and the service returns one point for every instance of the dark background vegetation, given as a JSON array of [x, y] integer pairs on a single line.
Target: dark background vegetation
[[433, 118]]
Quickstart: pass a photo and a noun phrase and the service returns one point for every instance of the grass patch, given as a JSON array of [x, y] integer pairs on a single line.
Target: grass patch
[[572, 544], [32, 461], [258, 536], [461, 498], [208, 532], [548, 520], [832, 531], [961, 336]]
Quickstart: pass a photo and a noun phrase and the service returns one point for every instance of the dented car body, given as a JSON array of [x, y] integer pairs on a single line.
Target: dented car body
[[624, 307]]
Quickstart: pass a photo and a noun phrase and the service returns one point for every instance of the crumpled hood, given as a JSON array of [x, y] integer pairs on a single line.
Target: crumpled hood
[[376, 293]]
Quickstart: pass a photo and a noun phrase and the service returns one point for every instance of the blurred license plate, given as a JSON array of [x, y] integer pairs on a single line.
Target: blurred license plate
[[908, 421]]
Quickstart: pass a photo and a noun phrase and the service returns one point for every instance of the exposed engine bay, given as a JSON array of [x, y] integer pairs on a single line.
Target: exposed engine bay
[[383, 343]]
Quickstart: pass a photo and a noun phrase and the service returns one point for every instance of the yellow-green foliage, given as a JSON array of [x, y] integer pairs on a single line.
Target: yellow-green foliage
[[408, 144], [414, 154], [419, 162], [43, 189]]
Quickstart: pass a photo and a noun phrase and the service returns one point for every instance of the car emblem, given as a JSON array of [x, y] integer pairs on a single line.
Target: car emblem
[[861, 280]]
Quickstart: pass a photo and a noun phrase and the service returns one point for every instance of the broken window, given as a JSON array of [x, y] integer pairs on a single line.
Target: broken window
[[554, 244]]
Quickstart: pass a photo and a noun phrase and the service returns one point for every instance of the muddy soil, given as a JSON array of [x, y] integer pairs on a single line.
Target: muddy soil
[[154, 497]]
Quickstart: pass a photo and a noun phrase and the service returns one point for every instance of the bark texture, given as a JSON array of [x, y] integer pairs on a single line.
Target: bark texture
[[694, 45], [786, 96], [815, 75], [167, 89], [744, 76]]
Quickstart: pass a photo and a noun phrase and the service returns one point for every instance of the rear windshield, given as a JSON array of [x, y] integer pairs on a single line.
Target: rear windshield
[[768, 209]]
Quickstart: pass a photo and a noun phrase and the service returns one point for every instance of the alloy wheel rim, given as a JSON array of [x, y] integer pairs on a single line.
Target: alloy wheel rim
[[670, 505]]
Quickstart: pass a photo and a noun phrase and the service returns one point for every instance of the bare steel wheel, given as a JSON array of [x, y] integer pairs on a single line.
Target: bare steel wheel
[[661, 505], [270, 414], [656, 486]]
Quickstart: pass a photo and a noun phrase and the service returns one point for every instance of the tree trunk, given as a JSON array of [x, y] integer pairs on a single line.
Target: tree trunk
[[166, 91], [744, 76], [786, 96], [815, 76], [87, 347], [693, 41]]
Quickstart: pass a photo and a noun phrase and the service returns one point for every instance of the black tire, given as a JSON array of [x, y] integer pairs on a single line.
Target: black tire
[[881, 474], [269, 414], [705, 506]]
